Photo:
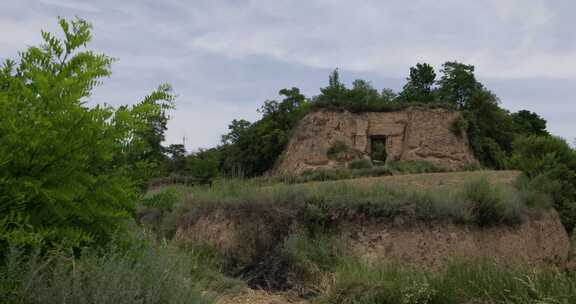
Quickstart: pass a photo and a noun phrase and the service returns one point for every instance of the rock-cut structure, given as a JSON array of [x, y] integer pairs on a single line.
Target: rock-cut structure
[[329, 139]]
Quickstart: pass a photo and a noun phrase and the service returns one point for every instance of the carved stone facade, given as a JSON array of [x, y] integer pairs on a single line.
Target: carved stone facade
[[412, 134]]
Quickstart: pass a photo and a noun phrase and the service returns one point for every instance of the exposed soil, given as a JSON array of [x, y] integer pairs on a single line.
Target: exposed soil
[[411, 134], [540, 240], [252, 296]]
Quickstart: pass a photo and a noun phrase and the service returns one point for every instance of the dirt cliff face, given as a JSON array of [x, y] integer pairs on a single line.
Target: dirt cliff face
[[254, 236], [539, 240], [412, 134]]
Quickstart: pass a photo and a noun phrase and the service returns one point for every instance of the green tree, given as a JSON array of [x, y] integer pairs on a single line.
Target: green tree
[[529, 123], [252, 149], [458, 84], [177, 158], [203, 166], [335, 93], [420, 84], [63, 174]]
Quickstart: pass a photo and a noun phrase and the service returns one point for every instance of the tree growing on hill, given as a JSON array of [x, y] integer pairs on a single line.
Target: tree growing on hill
[[69, 172], [529, 123], [252, 149], [549, 166], [420, 84], [458, 84]]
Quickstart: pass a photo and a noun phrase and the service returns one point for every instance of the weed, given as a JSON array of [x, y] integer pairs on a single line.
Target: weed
[[360, 164], [336, 148]]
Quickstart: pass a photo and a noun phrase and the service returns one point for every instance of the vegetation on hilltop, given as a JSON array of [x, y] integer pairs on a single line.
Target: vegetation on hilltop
[[72, 173], [251, 149]]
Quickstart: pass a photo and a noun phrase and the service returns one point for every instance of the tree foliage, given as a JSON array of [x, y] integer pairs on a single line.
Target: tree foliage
[[420, 85], [68, 170], [549, 165], [252, 149]]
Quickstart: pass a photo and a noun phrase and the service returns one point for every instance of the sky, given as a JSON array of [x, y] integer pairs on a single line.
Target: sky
[[225, 58]]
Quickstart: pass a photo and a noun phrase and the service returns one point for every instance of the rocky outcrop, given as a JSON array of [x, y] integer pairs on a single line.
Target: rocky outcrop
[[411, 134]]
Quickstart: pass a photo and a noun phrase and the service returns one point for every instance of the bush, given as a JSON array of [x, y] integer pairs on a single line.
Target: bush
[[336, 148], [489, 205], [159, 212], [163, 200], [459, 126], [143, 274], [549, 166], [414, 167], [360, 164], [310, 260]]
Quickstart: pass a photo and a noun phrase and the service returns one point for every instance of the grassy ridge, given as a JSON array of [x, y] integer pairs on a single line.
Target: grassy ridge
[[473, 201]]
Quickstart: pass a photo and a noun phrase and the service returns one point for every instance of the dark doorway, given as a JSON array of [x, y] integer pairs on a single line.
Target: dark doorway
[[378, 149]]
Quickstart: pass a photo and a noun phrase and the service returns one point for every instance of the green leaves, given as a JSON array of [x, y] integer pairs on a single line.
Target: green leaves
[[68, 172]]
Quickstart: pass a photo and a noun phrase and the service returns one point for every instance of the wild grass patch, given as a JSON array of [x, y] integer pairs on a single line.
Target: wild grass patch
[[461, 282], [144, 274]]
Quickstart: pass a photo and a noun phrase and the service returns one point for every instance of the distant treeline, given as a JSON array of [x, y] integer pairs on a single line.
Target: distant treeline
[[252, 148]]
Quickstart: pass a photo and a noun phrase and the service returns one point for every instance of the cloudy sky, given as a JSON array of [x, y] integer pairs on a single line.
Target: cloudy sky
[[224, 58]]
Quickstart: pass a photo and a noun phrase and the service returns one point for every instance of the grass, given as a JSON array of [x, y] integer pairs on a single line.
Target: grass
[[475, 201], [462, 282], [307, 257], [143, 274]]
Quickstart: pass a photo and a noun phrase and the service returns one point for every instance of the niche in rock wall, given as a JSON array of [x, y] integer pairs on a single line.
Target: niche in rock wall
[[378, 152]]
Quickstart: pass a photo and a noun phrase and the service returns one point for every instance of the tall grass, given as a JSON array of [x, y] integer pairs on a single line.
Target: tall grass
[[462, 282], [143, 274], [475, 202]]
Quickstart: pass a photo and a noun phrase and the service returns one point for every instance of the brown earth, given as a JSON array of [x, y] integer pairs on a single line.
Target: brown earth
[[249, 233], [251, 296], [412, 134], [540, 240]]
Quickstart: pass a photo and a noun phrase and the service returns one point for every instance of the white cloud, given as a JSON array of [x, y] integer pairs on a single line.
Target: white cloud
[[225, 57]]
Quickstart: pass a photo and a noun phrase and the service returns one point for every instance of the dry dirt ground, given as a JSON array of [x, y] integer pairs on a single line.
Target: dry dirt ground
[[260, 297]]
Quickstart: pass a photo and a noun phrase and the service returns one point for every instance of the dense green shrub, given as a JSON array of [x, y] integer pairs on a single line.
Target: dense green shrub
[[164, 200], [490, 206], [360, 164], [250, 149], [549, 166], [142, 274]]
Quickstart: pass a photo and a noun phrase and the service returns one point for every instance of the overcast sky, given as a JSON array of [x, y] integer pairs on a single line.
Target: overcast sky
[[224, 58]]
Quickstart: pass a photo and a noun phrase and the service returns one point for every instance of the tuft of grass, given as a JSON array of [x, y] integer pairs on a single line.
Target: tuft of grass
[[360, 164], [336, 148], [144, 274], [414, 167], [310, 259], [490, 204]]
